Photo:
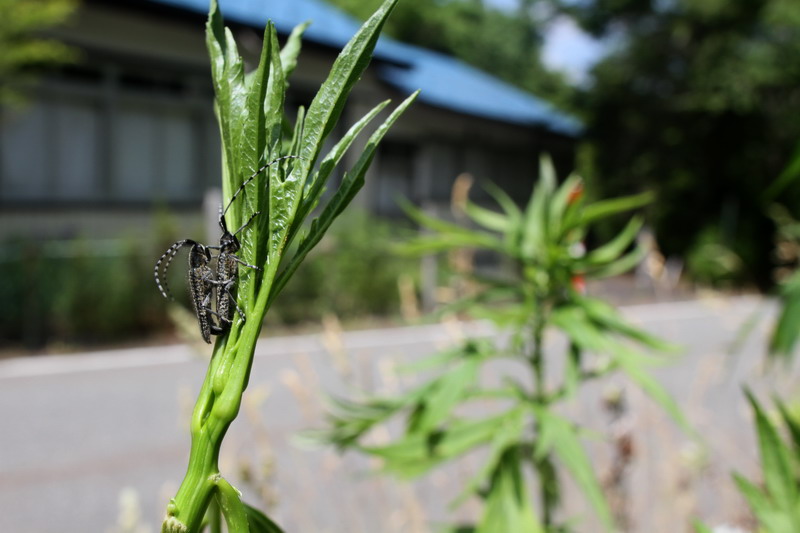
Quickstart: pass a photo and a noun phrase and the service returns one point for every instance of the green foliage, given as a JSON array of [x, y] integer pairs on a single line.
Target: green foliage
[[787, 260], [507, 44], [75, 292], [538, 294], [787, 328], [711, 262], [250, 111], [776, 503], [356, 254], [22, 48], [699, 101]]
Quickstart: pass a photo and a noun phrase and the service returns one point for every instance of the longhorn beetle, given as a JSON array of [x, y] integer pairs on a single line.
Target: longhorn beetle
[[200, 279], [200, 276], [227, 261]]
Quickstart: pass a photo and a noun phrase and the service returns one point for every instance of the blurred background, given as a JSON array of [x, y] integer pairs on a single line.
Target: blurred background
[[109, 152]]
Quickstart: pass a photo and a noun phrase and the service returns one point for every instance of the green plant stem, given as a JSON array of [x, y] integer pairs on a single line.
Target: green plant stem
[[537, 365], [214, 517], [537, 359], [217, 406]]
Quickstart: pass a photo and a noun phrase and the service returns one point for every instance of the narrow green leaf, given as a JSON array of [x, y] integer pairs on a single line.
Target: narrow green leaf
[[233, 510], [266, 107], [445, 393], [573, 321], [348, 421], [547, 174], [606, 208], [316, 187], [793, 425], [329, 101], [259, 522], [417, 453], [297, 132], [227, 88], [502, 198], [608, 318], [561, 201], [618, 267], [448, 234], [508, 434], [614, 248], [776, 463], [274, 102], [351, 184], [508, 506], [491, 220], [633, 364], [557, 435], [787, 328], [292, 49], [771, 517], [250, 159], [433, 243], [536, 223]]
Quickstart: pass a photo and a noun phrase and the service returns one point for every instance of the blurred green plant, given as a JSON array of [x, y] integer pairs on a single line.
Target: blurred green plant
[[75, 291], [775, 504], [351, 274], [711, 262], [22, 48], [787, 260], [697, 100], [56, 306], [250, 111], [542, 293], [503, 41]]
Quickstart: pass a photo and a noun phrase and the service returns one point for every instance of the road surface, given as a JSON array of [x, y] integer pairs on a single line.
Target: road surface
[[83, 435]]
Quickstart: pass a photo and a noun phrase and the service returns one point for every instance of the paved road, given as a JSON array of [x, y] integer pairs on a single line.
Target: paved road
[[80, 433]]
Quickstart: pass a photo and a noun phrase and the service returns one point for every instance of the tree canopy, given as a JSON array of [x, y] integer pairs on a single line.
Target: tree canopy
[[701, 101], [504, 43], [22, 48]]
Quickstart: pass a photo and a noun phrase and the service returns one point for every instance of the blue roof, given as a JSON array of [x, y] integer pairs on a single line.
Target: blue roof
[[444, 81]]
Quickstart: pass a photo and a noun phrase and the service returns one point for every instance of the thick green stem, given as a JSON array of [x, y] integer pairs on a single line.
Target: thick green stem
[[537, 363], [537, 359], [215, 410], [217, 406], [214, 515]]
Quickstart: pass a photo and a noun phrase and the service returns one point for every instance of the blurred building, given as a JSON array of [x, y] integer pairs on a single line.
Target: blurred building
[[105, 144]]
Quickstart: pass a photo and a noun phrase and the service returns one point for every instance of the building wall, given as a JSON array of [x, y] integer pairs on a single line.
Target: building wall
[[106, 144]]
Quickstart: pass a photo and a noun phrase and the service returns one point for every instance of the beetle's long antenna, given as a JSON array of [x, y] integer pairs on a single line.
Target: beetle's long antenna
[[251, 178]]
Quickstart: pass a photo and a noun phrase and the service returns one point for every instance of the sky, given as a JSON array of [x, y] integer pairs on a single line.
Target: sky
[[567, 47], [570, 49]]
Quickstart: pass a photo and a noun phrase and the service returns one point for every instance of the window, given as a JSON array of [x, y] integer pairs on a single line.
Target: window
[[395, 177], [110, 138]]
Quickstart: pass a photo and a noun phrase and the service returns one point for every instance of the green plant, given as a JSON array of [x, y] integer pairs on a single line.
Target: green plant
[[525, 433], [53, 302], [351, 274], [787, 257], [776, 504], [22, 47], [250, 110], [711, 262]]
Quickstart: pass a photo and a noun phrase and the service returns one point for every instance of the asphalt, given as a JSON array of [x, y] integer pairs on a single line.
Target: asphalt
[[84, 434]]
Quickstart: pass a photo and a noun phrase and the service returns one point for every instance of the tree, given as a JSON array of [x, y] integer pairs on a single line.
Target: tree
[[506, 44], [700, 101], [22, 48]]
